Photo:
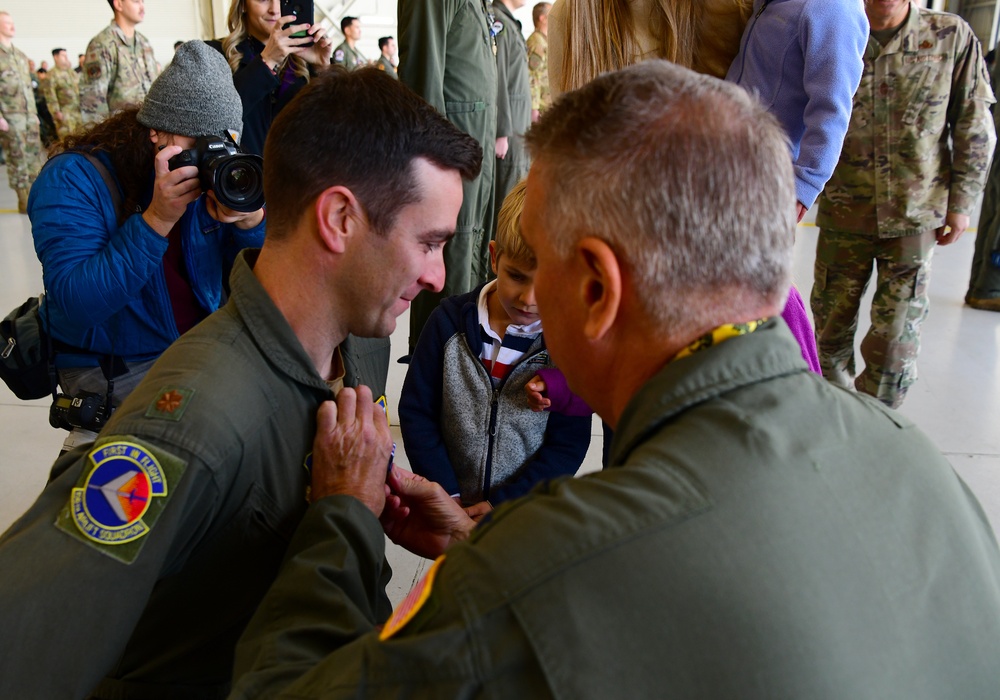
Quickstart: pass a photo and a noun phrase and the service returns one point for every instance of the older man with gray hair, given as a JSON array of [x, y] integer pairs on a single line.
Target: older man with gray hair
[[741, 543]]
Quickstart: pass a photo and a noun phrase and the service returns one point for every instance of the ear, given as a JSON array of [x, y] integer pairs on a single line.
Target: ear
[[493, 256], [336, 217], [153, 134], [601, 291]]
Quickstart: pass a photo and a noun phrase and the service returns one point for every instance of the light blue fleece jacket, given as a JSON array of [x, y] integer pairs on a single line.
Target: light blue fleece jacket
[[803, 60]]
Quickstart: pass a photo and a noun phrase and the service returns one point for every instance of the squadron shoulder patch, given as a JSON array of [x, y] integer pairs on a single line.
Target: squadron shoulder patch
[[170, 403], [119, 497], [338, 55], [412, 604]]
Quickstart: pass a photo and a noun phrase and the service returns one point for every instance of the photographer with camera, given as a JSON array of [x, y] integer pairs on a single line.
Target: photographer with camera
[[270, 63], [134, 256]]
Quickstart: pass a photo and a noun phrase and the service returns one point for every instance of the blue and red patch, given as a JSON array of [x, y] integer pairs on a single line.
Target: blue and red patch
[[109, 507]]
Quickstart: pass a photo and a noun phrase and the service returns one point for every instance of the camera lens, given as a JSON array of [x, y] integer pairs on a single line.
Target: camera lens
[[238, 182]]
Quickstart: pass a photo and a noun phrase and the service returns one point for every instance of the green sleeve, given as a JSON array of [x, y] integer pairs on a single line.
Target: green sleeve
[[95, 79], [423, 44]]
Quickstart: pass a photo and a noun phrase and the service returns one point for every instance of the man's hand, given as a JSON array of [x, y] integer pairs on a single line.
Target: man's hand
[[535, 115], [535, 389], [420, 516], [501, 147], [4, 126], [351, 449], [954, 227], [225, 215], [173, 190]]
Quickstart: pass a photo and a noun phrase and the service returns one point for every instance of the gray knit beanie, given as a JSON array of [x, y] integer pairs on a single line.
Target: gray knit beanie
[[194, 95]]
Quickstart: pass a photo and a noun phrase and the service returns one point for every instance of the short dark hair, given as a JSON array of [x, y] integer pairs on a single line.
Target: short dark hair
[[178, 44], [383, 41], [346, 22], [111, 4], [55, 51], [361, 130]]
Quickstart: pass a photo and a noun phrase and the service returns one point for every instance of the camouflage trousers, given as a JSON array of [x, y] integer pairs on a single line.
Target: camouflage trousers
[[843, 269], [22, 147], [72, 121]]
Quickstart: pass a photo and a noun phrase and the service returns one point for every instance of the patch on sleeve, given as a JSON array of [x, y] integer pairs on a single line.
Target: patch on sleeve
[[338, 55], [412, 604], [170, 403], [120, 496], [93, 70]]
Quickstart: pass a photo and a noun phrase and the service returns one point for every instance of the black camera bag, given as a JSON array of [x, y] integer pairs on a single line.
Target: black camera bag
[[27, 359], [25, 350]]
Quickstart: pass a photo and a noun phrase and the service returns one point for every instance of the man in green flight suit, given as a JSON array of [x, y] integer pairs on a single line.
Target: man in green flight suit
[[513, 98], [120, 66], [142, 560], [62, 93], [19, 126], [759, 533], [387, 48], [347, 53], [447, 55]]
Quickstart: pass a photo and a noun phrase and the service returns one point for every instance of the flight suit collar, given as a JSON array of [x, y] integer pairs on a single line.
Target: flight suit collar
[[270, 329], [769, 352]]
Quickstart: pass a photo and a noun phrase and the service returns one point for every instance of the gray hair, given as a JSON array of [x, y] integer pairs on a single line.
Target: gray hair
[[686, 177]]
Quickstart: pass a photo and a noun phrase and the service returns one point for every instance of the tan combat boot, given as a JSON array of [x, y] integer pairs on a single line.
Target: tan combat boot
[[22, 200]]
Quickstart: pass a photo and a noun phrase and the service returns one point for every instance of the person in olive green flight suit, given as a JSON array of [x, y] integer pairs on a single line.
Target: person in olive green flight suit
[[387, 47], [758, 533], [142, 561], [447, 55], [513, 98], [347, 53]]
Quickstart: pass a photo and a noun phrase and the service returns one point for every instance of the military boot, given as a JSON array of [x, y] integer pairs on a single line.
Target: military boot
[[22, 200]]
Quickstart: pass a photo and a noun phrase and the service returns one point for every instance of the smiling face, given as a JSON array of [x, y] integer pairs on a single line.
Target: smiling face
[[383, 273], [261, 18]]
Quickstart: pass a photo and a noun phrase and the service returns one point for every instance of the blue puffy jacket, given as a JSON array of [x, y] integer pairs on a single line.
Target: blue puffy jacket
[[105, 285]]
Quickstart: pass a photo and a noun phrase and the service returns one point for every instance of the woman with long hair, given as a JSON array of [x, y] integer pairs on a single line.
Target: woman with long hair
[[269, 64], [590, 37]]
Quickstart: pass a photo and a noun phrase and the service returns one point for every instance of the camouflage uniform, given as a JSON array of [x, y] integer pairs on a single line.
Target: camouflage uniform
[[62, 93], [22, 144], [349, 58], [896, 180], [116, 73], [538, 67]]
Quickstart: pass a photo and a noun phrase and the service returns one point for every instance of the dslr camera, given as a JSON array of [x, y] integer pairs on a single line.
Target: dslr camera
[[236, 178], [87, 410]]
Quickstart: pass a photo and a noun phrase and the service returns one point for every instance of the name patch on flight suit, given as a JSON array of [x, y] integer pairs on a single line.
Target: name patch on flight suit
[[119, 498], [412, 604]]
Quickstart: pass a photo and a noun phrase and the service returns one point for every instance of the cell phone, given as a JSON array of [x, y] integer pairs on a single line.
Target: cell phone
[[303, 11]]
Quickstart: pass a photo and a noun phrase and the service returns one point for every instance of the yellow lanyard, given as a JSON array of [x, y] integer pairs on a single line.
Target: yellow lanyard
[[720, 334]]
